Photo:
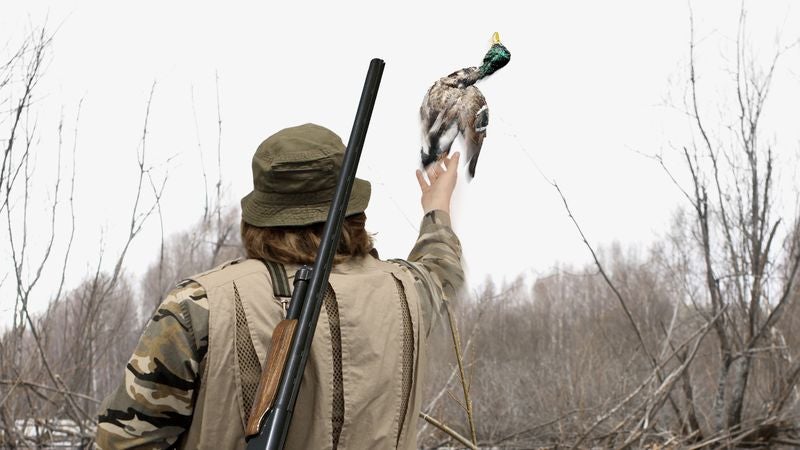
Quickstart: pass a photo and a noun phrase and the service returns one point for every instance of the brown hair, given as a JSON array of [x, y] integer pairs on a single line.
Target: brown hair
[[299, 244]]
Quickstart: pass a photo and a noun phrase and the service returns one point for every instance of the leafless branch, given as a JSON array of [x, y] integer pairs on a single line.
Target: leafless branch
[[450, 432], [202, 159], [462, 376]]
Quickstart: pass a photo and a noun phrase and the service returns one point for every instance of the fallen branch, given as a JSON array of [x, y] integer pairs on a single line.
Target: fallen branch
[[48, 388], [451, 432]]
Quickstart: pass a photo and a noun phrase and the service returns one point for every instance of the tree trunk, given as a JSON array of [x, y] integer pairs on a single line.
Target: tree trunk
[[718, 411], [740, 376]]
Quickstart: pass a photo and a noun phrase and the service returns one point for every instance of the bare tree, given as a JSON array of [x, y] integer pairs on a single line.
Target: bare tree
[[734, 229], [696, 337], [49, 362], [205, 243]]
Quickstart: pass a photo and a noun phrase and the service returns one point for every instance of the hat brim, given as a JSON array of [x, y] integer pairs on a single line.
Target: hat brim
[[263, 209]]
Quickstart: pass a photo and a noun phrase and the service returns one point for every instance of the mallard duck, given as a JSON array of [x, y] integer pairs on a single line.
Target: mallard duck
[[454, 105]]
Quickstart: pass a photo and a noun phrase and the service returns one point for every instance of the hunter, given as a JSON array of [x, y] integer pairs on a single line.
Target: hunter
[[193, 376]]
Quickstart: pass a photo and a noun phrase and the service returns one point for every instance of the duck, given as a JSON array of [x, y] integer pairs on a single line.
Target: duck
[[453, 105]]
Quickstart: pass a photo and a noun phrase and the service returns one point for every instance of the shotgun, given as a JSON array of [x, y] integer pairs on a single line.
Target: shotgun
[[272, 410]]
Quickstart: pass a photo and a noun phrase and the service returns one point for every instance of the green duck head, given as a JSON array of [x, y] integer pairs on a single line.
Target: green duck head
[[497, 57]]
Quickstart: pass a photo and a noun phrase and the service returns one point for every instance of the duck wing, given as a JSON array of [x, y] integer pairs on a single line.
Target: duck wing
[[439, 117], [473, 120]]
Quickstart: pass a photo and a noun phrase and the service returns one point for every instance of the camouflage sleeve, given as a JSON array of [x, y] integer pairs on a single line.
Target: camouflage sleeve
[[154, 403], [437, 259]]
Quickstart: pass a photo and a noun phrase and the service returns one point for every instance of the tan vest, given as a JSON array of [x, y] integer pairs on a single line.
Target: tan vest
[[371, 313]]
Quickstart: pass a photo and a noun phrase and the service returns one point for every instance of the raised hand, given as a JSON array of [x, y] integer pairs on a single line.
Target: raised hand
[[438, 189]]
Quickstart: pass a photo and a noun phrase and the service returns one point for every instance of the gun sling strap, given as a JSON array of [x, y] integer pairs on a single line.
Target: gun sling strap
[[247, 360]]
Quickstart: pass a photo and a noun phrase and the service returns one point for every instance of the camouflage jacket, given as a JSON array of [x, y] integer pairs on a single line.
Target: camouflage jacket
[[154, 404]]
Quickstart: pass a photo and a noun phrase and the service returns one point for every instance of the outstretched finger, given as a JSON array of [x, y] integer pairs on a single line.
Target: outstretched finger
[[433, 174], [421, 180]]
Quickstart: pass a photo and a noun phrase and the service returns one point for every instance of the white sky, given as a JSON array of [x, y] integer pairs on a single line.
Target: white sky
[[583, 98]]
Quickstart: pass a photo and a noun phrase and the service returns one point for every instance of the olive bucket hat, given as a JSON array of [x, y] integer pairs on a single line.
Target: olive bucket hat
[[294, 178]]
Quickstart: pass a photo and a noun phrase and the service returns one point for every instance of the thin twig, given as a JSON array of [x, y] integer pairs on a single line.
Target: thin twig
[[202, 159], [60, 390], [451, 432], [464, 382], [603, 273]]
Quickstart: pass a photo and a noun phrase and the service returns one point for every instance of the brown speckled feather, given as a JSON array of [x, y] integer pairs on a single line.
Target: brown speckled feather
[[451, 106]]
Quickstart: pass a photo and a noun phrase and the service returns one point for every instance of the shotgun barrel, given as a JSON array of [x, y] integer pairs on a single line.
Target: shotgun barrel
[[272, 415]]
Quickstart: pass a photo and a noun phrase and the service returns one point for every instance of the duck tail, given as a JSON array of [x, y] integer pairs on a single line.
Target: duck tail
[[427, 158]]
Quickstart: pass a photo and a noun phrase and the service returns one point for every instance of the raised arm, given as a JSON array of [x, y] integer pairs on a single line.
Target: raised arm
[[437, 252]]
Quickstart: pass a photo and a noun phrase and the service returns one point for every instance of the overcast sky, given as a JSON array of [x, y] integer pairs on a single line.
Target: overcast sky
[[586, 97]]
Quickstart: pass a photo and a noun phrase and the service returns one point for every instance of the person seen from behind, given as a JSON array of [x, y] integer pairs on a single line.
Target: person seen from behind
[[192, 379]]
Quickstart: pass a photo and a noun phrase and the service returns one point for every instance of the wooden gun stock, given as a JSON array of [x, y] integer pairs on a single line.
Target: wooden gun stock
[[268, 384]]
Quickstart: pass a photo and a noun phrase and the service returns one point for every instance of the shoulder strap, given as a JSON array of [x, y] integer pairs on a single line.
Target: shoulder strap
[[280, 282], [246, 358]]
